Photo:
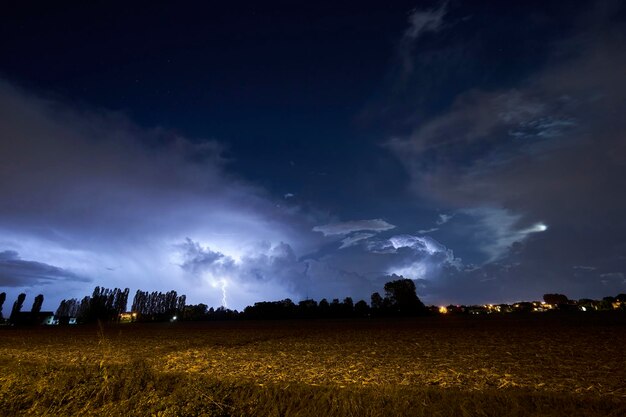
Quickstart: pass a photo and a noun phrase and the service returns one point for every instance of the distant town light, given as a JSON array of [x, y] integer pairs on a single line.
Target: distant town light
[[443, 310]]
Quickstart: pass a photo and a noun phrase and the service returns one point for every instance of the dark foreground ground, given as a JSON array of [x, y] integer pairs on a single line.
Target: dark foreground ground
[[534, 365]]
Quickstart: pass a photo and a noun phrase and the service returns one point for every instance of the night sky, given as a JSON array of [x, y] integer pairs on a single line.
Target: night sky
[[239, 152]]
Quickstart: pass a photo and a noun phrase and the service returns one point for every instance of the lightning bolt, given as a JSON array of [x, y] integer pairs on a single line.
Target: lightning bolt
[[223, 285]]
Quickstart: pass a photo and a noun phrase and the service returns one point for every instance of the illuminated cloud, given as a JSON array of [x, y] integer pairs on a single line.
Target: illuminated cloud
[[441, 220], [86, 193], [197, 259], [344, 228], [500, 229], [353, 239], [414, 257], [169, 216], [444, 218], [422, 21], [262, 271], [424, 243]]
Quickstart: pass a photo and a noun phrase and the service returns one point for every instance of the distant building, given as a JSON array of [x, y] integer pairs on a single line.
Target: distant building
[[26, 318], [128, 317]]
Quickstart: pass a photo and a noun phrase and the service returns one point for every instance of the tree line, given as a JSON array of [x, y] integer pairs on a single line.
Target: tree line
[[16, 315], [109, 305], [400, 300], [104, 304]]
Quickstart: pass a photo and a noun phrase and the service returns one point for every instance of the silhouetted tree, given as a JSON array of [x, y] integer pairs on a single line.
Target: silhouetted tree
[[37, 305], [361, 309], [17, 307], [307, 309], [3, 297], [83, 309], [403, 298], [606, 303], [68, 308], [158, 306], [223, 313], [335, 308], [180, 304], [283, 309], [523, 307], [377, 303], [555, 299], [323, 308], [104, 304], [587, 303], [120, 301], [347, 309], [195, 312]]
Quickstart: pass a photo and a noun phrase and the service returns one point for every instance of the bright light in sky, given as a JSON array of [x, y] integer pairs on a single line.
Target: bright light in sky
[[539, 227]]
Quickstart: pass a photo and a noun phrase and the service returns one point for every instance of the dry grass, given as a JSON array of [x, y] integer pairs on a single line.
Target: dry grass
[[531, 364]]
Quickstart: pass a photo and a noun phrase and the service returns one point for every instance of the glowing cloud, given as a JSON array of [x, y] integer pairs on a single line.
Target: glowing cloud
[[344, 228]]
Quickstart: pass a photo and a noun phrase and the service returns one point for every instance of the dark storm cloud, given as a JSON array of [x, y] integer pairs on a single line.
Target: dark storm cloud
[[17, 272], [539, 162], [96, 170]]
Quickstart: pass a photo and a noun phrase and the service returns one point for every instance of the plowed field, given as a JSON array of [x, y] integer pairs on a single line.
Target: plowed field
[[541, 360]]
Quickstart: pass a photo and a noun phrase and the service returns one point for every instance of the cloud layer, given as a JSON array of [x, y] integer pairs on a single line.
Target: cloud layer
[[534, 164], [344, 228], [90, 199], [17, 272], [99, 197]]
